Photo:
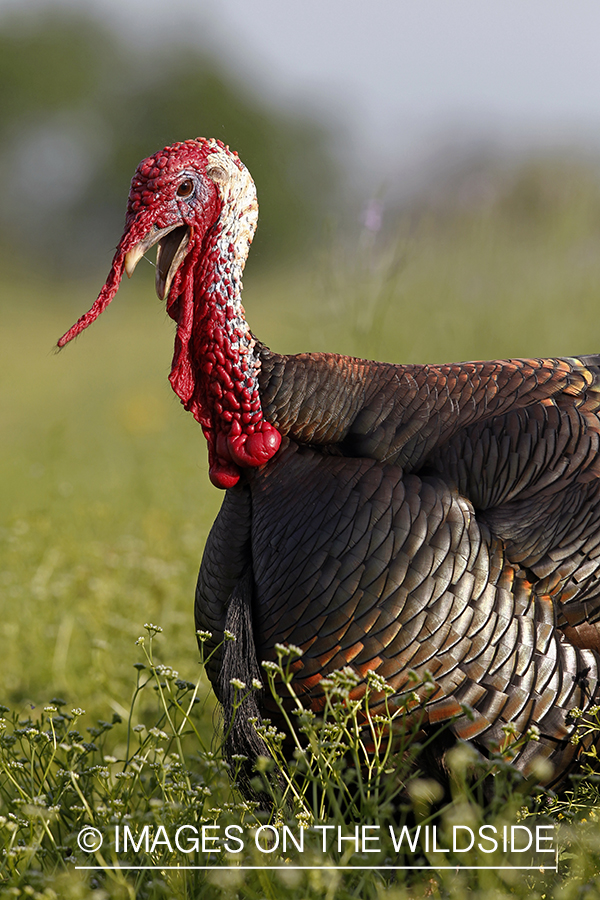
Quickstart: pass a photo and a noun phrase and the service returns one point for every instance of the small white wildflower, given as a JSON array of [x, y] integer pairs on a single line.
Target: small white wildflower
[[78, 711], [152, 629], [157, 733], [238, 683], [378, 683], [228, 635], [256, 684], [167, 672], [347, 675], [204, 635]]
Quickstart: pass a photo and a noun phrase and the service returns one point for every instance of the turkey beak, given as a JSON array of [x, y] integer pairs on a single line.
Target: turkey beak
[[172, 247], [171, 252]]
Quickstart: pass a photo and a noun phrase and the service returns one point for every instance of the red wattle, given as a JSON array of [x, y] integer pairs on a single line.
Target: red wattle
[[223, 475], [254, 449]]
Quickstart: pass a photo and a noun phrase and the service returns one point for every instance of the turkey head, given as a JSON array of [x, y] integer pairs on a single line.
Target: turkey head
[[197, 201]]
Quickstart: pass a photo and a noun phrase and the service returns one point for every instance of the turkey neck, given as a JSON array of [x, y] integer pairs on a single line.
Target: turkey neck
[[222, 349], [217, 379]]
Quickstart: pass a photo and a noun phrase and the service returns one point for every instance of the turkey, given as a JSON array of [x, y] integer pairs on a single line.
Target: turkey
[[439, 518]]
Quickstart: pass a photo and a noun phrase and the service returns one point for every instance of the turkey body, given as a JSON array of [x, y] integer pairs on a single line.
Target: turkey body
[[433, 519], [393, 519]]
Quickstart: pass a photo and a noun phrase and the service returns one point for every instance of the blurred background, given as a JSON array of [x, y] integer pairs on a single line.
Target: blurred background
[[330, 105], [429, 186]]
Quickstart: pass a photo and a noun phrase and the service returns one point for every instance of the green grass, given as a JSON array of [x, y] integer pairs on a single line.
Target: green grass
[[106, 501], [167, 784]]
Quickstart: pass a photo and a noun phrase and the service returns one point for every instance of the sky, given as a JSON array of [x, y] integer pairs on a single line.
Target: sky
[[399, 81]]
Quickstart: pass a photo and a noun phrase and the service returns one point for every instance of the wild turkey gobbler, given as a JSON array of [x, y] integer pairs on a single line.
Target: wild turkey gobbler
[[383, 517]]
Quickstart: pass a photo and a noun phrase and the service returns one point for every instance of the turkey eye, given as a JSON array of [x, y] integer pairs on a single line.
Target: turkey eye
[[186, 188]]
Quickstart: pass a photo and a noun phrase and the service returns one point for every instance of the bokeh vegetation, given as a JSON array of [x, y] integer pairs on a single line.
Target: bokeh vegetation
[[79, 108], [104, 489]]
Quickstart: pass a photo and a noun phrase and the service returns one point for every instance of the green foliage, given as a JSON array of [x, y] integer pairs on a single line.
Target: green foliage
[[496, 264], [150, 814], [54, 782], [79, 110], [49, 65], [356, 759]]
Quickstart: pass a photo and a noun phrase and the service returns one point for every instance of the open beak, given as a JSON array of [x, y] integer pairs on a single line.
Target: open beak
[[172, 248]]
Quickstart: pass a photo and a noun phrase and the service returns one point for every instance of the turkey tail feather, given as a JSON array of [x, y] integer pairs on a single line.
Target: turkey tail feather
[[241, 664]]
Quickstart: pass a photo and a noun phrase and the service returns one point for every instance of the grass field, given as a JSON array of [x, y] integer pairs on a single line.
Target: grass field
[[105, 495]]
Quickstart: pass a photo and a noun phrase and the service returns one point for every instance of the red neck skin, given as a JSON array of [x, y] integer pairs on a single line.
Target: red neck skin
[[215, 370]]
